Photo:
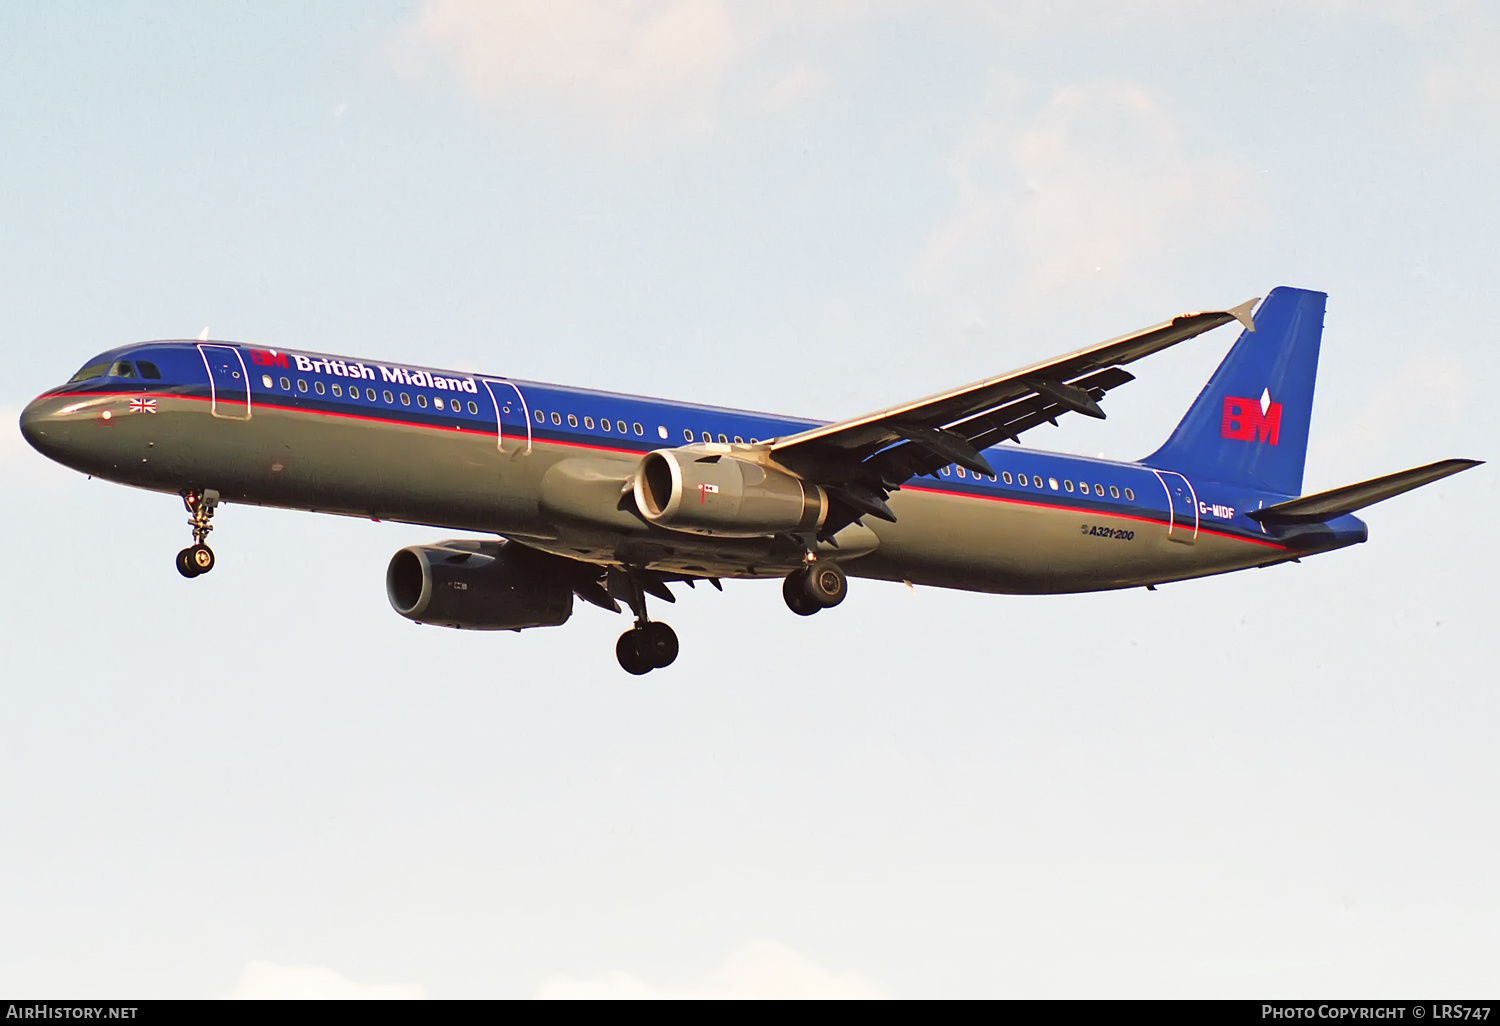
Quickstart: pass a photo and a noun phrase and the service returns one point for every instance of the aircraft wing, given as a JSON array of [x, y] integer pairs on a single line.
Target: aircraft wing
[[861, 460]]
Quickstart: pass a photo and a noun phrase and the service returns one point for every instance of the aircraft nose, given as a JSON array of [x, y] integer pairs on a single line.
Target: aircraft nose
[[36, 421], [31, 421]]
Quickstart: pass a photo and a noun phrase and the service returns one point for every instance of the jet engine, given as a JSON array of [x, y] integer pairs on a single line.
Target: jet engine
[[477, 586], [715, 494]]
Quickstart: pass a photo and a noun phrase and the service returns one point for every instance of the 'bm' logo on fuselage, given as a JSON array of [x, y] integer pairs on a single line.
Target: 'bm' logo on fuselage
[[1245, 421]]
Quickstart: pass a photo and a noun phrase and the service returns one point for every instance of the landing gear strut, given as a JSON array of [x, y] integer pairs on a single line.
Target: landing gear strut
[[650, 644], [816, 586], [198, 558]]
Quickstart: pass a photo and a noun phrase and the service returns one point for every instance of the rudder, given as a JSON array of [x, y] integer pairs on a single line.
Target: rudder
[[1249, 425]]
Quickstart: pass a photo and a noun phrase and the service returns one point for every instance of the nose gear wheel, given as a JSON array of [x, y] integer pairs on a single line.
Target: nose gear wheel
[[198, 559]]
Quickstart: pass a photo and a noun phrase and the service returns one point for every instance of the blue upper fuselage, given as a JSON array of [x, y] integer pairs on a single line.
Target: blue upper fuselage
[[557, 415]]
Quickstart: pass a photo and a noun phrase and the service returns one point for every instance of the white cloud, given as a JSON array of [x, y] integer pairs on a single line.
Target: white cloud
[[760, 969], [266, 980], [1095, 190], [635, 67], [1469, 75]]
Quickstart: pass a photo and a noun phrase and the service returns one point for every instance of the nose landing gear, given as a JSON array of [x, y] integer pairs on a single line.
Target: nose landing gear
[[198, 559]]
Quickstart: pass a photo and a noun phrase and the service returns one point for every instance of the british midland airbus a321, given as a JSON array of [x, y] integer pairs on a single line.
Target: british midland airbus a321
[[613, 498]]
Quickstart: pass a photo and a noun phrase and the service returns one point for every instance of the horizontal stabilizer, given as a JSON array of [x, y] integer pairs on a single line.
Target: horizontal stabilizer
[[1335, 503]]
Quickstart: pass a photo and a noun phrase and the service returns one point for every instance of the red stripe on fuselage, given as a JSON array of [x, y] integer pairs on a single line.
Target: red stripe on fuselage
[[636, 452]]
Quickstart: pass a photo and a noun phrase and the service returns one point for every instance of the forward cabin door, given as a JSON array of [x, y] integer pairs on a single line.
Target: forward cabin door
[[228, 382], [1182, 507], [510, 405]]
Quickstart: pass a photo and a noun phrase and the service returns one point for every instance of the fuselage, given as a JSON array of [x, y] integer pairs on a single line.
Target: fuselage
[[542, 464]]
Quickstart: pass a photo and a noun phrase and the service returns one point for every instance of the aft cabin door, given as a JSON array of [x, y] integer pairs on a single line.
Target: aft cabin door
[[510, 407], [1182, 507], [228, 382]]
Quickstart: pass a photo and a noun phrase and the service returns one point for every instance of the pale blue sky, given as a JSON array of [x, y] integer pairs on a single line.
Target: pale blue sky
[[1278, 782]]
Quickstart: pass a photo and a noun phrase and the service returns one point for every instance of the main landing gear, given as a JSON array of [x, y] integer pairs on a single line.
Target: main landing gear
[[198, 558], [650, 644], [816, 586]]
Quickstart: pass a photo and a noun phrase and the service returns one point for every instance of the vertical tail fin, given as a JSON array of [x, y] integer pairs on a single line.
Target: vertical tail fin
[[1249, 424]]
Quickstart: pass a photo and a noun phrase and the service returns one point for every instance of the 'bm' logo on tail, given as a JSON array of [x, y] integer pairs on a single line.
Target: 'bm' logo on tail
[[1249, 420]]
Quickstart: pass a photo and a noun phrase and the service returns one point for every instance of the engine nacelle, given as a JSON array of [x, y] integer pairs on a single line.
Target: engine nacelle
[[477, 586], [711, 493]]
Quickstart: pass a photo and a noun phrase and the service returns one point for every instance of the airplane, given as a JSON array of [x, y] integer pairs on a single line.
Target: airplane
[[611, 498]]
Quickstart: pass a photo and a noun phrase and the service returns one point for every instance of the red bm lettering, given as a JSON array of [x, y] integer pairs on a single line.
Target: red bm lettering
[[1244, 421], [265, 359]]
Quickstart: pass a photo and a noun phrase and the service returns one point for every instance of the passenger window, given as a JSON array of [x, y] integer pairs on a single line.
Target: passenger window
[[265, 379], [707, 437], [386, 395], [687, 434], [638, 429], [557, 418], [122, 369], [1021, 480], [1036, 480], [338, 390], [1130, 495], [620, 426], [405, 399], [960, 471], [286, 386], [1053, 482], [1005, 476], [604, 423], [422, 402], [738, 440], [1083, 487], [149, 370], [661, 432], [319, 386], [541, 418], [1114, 493], [1068, 486], [723, 439], [474, 407], [370, 394], [1099, 490], [947, 471], [301, 385], [572, 420], [588, 422]]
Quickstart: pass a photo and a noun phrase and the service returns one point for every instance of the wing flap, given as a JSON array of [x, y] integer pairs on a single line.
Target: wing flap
[[1350, 498]]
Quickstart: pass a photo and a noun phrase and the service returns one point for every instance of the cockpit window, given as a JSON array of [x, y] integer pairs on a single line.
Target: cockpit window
[[122, 369], [93, 370], [148, 370]]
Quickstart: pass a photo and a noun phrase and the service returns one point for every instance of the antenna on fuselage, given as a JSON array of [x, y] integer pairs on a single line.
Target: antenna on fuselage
[[203, 335]]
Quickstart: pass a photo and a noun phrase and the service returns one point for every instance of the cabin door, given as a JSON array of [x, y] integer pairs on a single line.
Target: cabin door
[[510, 409], [1182, 507], [228, 382]]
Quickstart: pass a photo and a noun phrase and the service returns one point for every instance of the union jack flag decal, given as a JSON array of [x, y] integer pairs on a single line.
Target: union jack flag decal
[[143, 406]]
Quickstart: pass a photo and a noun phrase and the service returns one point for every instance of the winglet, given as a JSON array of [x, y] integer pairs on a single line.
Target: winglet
[[1242, 313], [203, 335]]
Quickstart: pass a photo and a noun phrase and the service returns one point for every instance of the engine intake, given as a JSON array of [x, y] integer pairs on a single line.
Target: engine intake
[[477, 586], [715, 494]]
